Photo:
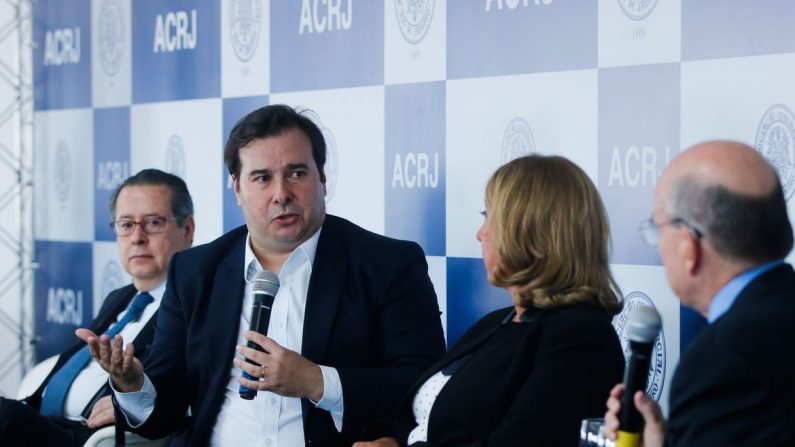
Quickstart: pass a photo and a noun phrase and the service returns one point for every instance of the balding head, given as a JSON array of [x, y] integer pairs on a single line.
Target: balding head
[[734, 166], [733, 196]]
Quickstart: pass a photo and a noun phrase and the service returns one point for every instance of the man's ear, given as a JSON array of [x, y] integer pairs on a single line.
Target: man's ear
[[692, 252], [236, 188], [190, 227]]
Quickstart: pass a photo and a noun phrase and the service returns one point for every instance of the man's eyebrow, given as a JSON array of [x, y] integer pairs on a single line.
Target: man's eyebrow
[[130, 216], [289, 167], [256, 172], [294, 166]]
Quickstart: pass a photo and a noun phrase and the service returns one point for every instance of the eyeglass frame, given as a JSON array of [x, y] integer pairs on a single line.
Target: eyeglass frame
[[650, 230], [141, 223]]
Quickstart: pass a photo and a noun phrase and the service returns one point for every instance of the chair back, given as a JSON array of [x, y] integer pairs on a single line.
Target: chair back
[[35, 377]]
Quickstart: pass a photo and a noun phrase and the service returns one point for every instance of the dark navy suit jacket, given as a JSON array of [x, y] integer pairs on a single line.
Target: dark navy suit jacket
[[735, 383], [371, 312]]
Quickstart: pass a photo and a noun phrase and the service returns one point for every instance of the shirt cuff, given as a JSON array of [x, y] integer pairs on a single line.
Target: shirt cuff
[[332, 395], [136, 406]]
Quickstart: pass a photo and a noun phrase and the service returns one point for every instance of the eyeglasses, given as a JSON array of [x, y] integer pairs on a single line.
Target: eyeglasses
[[650, 230], [150, 225]]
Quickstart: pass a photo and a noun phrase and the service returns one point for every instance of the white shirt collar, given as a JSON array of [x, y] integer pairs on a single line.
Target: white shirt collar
[[157, 292], [308, 249]]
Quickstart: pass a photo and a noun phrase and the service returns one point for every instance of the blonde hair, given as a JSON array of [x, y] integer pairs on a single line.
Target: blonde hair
[[550, 231]]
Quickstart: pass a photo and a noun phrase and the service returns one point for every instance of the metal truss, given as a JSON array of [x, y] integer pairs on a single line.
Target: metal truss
[[16, 192]]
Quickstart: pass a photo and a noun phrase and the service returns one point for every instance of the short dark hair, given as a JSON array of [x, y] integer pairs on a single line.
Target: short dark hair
[[739, 227], [271, 121], [181, 204]]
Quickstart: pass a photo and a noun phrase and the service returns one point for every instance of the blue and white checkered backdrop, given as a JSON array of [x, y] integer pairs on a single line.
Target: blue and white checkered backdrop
[[419, 101]]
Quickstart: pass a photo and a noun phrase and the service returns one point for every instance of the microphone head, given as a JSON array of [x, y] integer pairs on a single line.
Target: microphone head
[[644, 324], [265, 282]]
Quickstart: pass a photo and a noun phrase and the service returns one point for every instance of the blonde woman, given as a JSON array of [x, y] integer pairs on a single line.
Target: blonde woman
[[527, 374]]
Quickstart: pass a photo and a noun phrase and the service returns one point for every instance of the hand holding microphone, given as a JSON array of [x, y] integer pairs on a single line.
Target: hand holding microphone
[[643, 327], [264, 286]]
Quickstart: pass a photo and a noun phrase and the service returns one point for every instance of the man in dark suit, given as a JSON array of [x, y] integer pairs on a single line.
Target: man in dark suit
[[720, 219], [152, 216], [354, 323]]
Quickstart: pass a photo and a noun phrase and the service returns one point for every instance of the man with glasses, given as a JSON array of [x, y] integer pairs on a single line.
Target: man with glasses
[[152, 214], [720, 220]]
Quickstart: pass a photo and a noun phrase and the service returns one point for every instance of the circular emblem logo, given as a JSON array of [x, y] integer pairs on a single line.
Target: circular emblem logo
[[63, 171], [517, 140], [175, 156], [414, 18], [775, 140], [112, 278], [111, 36], [637, 9], [244, 24], [656, 379], [331, 163]]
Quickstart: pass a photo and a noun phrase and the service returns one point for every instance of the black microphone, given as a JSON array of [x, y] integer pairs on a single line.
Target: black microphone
[[265, 285], [643, 327]]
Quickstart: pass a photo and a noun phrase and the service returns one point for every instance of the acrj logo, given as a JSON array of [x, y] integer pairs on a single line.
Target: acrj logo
[[637, 9], [517, 141], [414, 18], [245, 17], [775, 140], [331, 167], [111, 36], [175, 156], [62, 168]]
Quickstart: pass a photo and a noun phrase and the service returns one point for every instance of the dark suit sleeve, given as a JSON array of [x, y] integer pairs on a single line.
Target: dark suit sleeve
[[410, 339]]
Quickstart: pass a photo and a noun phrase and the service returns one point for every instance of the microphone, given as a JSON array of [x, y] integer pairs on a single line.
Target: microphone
[[643, 326], [265, 285]]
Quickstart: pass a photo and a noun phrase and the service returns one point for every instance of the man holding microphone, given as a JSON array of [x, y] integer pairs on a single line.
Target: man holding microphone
[[720, 220], [353, 323]]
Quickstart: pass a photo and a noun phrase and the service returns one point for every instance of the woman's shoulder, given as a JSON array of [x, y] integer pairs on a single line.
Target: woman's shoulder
[[580, 324], [488, 321], [578, 313]]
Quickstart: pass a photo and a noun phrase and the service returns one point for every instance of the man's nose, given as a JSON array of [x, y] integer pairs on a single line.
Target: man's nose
[[138, 235], [282, 194]]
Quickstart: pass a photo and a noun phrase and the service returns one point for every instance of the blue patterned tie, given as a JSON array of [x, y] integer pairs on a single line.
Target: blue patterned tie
[[56, 391]]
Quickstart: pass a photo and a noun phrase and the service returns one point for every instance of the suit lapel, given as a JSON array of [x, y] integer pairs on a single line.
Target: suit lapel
[[145, 337], [325, 289], [225, 304], [459, 350], [227, 300]]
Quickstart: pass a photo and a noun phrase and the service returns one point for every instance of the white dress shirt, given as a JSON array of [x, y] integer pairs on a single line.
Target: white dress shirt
[[269, 419], [93, 377]]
